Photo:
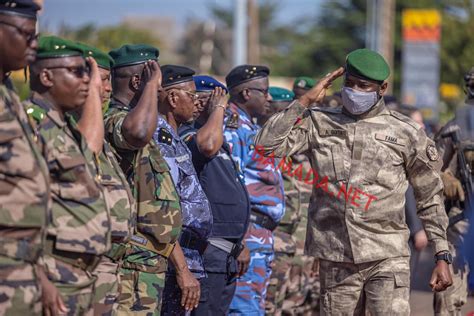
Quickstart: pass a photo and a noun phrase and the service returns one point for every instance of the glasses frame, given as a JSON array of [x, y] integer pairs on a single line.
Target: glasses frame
[[28, 36], [263, 91]]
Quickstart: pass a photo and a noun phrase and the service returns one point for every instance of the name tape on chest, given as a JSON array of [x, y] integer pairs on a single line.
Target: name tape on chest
[[389, 139], [333, 132], [182, 158]]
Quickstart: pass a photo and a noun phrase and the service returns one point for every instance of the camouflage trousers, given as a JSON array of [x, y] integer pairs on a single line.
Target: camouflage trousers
[[450, 302], [75, 285], [140, 292], [379, 287], [106, 287], [20, 292]]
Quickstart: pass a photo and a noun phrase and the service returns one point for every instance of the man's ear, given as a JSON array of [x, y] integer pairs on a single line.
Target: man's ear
[[383, 88], [245, 94], [46, 78], [172, 99], [135, 82]]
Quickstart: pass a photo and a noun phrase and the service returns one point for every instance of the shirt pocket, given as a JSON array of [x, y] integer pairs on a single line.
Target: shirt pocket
[[389, 168], [73, 178], [328, 161]]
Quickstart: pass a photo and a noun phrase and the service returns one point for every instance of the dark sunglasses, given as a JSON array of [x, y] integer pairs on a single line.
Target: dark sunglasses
[[79, 71], [29, 36], [264, 91]]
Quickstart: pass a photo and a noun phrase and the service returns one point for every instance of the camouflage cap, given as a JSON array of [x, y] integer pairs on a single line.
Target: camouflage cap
[[281, 94], [56, 47], [367, 64], [304, 83], [103, 59], [129, 55]]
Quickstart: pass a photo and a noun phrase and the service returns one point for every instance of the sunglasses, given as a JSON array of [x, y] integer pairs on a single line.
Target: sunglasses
[[264, 91], [79, 71], [29, 36]]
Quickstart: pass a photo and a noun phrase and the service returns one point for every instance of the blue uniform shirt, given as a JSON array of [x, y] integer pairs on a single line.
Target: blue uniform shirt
[[197, 216], [264, 182]]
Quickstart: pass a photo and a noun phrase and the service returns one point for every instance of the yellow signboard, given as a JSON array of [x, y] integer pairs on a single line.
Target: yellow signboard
[[421, 18]]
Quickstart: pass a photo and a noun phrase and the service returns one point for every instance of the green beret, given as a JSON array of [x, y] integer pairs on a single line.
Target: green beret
[[56, 47], [367, 64], [103, 59], [281, 94], [128, 55], [304, 83]]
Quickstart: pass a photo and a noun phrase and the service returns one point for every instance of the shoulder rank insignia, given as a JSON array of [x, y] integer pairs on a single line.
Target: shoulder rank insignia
[[165, 137], [432, 153], [233, 121], [36, 112]]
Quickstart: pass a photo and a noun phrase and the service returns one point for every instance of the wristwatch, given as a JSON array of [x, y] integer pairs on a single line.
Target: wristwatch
[[446, 256]]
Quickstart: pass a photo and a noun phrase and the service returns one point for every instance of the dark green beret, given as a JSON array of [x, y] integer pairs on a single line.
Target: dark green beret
[[129, 55], [173, 74], [281, 94], [56, 47], [304, 83], [244, 73], [103, 59], [367, 64], [23, 8]]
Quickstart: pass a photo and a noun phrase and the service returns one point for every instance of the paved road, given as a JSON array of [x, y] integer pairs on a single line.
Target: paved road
[[421, 298]]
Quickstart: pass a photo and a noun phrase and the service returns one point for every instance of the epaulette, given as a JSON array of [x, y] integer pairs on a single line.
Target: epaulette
[[336, 110], [233, 121], [405, 119], [164, 136], [36, 112]]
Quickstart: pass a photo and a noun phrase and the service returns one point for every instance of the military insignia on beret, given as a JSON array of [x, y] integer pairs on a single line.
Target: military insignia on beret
[[301, 84], [165, 137], [432, 153]]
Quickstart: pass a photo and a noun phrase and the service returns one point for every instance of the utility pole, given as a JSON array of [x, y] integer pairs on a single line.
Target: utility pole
[[380, 25], [254, 33], [240, 33]]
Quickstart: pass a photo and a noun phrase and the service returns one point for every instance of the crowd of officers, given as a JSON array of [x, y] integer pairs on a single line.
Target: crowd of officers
[[131, 188]]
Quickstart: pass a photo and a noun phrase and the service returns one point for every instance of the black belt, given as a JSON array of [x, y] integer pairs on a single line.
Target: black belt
[[190, 240], [263, 220]]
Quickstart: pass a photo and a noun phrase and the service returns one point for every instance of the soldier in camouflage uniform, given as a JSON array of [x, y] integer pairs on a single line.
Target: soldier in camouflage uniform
[[119, 199], [451, 301], [177, 106], [362, 157], [24, 177], [130, 123], [249, 98], [80, 229]]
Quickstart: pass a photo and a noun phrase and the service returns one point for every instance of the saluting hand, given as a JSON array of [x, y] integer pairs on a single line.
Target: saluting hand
[[96, 81], [318, 92], [218, 99], [152, 73]]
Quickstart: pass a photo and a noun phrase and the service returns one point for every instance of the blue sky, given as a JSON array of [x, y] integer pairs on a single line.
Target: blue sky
[[109, 12]]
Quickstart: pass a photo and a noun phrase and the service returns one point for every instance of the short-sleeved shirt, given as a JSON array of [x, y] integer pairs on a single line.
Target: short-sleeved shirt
[[80, 220], [197, 216], [24, 177]]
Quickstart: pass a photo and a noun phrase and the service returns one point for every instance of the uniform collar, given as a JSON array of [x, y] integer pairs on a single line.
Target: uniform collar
[[378, 109], [114, 103], [243, 115], [52, 113]]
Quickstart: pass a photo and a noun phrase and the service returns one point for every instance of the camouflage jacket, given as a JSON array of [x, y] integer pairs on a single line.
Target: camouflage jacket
[[158, 222], [24, 183], [361, 167], [80, 219]]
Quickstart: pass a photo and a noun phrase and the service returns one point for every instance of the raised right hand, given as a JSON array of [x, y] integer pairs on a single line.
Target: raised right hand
[[318, 92], [152, 73]]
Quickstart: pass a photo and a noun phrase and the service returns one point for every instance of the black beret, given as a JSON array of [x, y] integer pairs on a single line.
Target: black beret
[[23, 8], [244, 73], [173, 74]]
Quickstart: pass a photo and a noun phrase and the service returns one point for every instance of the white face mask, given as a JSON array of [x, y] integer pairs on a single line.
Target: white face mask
[[358, 102]]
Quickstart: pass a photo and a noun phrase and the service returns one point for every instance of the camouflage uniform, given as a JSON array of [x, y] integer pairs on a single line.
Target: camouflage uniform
[[450, 302], [265, 188], [24, 193], [356, 218], [158, 221], [123, 216], [285, 248], [79, 232]]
